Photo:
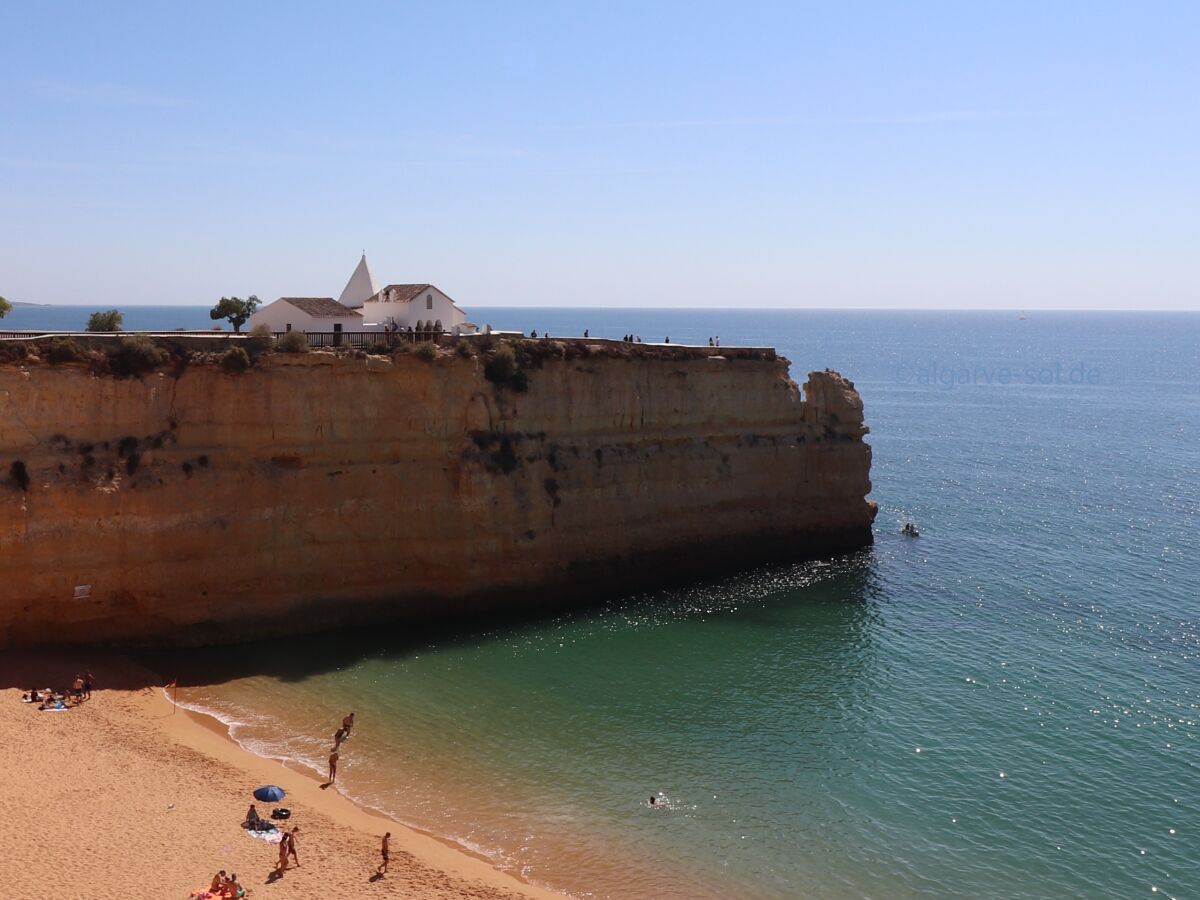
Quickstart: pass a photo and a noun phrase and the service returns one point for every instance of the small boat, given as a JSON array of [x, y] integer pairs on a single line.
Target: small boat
[[910, 530], [1022, 316]]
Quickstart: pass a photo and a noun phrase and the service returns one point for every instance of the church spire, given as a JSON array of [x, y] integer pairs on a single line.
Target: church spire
[[360, 286]]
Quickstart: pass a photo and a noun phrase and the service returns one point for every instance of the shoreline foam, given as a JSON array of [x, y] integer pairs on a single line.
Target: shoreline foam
[[217, 722], [140, 798]]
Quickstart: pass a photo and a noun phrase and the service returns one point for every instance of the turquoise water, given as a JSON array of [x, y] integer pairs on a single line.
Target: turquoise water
[[1005, 707]]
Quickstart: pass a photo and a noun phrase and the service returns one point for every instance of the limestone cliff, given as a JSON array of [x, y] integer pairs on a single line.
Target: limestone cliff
[[194, 505]]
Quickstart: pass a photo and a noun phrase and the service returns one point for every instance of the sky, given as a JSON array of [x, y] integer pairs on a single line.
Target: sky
[[836, 155]]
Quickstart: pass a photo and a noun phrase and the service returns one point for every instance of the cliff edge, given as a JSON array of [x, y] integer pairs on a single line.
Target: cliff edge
[[317, 489]]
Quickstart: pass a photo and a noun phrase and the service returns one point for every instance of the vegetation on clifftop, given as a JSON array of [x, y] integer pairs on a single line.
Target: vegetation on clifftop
[[109, 320], [236, 310]]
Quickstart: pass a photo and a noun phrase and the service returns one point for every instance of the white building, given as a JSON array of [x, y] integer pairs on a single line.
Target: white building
[[421, 307], [362, 306], [307, 314], [360, 287]]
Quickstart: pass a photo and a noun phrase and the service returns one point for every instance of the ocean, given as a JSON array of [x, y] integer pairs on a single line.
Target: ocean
[[1004, 707]]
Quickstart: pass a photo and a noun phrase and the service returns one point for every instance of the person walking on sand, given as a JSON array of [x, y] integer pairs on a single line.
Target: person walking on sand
[[291, 848], [383, 850], [333, 759], [283, 852]]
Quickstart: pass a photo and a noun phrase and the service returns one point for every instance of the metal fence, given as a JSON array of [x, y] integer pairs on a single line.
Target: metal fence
[[360, 340]]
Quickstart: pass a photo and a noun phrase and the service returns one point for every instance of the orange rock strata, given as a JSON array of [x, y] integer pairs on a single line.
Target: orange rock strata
[[314, 490]]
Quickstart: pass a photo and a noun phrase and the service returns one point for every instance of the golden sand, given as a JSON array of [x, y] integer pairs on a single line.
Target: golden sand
[[124, 797]]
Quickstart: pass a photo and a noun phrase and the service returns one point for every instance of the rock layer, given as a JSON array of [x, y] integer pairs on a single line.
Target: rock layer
[[316, 490]]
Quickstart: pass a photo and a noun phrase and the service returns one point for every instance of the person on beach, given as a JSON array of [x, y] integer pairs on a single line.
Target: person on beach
[[291, 845], [77, 688], [347, 724], [333, 759], [283, 852], [89, 682], [217, 882], [383, 850], [254, 822], [232, 890], [338, 737]]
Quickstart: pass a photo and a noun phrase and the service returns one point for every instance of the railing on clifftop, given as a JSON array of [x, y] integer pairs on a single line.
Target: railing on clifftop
[[360, 340]]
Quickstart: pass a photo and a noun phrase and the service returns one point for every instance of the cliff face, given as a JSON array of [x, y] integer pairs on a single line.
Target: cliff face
[[315, 490]]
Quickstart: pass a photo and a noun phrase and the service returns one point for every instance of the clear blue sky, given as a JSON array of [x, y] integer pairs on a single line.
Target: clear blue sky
[[841, 154]]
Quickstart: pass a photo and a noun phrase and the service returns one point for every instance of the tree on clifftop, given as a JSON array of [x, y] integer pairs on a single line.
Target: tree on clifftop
[[109, 320], [236, 310], [5, 307]]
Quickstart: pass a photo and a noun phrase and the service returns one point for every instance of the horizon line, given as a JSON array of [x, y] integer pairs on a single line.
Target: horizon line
[[1021, 309]]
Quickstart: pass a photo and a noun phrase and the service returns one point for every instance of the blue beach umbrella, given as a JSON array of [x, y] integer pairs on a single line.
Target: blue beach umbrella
[[269, 793]]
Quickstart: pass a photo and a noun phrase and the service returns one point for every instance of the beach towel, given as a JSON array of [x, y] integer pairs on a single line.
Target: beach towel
[[273, 836]]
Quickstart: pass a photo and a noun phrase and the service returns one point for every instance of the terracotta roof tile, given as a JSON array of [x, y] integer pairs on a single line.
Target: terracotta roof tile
[[321, 307]]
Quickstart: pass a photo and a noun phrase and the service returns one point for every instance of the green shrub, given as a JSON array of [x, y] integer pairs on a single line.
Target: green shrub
[[503, 369], [502, 366], [136, 355], [463, 347], [379, 348], [426, 350], [109, 320], [293, 342], [259, 341], [235, 360], [13, 351]]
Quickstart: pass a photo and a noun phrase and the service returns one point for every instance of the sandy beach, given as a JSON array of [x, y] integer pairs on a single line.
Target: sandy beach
[[125, 797]]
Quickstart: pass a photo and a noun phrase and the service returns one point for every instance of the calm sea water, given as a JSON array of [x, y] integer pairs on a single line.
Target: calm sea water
[[1005, 707]]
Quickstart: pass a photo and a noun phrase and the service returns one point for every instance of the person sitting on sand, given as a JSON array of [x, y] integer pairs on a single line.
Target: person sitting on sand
[[255, 822], [217, 882], [231, 890]]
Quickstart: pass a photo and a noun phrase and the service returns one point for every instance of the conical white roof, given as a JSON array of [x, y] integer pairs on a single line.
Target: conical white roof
[[360, 286]]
